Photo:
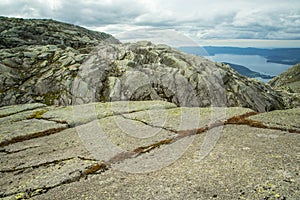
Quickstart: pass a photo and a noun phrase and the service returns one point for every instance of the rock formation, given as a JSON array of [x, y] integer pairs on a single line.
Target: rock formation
[[288, 80], [75, 71], [147, 150], [16, 32], [287, 86]]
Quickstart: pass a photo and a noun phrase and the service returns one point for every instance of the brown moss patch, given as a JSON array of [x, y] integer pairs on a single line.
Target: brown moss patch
[[95, 168]]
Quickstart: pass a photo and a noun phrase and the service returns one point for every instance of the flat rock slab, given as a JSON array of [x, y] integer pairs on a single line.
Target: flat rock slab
[[82, 114], [22, 130], [147, 150], [250, 166], [185, 118], [288, 119], [10, 110]]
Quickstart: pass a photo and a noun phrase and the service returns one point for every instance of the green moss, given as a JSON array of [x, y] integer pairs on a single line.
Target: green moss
[[37, 114]]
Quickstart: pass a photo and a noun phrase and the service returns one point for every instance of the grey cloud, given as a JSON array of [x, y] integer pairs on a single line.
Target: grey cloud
[[200, 19], [94, 14], [87, 13]]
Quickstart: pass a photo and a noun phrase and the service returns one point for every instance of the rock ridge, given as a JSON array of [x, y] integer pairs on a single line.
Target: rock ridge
[[16, 32]]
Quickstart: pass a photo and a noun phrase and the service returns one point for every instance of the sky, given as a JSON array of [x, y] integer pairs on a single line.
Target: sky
[[258, 23]]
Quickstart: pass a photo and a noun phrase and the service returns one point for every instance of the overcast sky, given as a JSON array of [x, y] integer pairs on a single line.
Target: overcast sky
[[200, 21]]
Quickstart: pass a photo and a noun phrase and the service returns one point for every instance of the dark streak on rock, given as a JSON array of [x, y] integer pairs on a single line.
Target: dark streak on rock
[[11, 152], [235, 120], [143, 122], [242, 120], [36, 166], [32, 136], [104, 166], [28, 109]]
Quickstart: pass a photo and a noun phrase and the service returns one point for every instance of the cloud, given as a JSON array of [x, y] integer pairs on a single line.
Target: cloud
[[198, 19]]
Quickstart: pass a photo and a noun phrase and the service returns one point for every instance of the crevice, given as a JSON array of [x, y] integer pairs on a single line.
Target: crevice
[[110, 115], [235, 120], [28, 109], [102, 166], [36, 166], [32, 136], [17, 151], [87, 159], [49, 163], [96, 168], [56, 121], [148, 124], [243, 120]]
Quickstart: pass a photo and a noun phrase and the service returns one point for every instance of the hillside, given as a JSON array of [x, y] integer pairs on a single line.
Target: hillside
[[97, 71], [247, 72], [17, 32], [289, 80]]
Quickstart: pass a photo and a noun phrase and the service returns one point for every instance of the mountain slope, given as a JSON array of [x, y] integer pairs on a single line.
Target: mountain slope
[[15, 32], [56, 74], [247, 72], [289, 79]]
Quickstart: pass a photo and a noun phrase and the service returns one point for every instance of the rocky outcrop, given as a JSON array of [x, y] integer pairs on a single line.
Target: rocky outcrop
[[135, 149], [38, 73], [16, 32], [62, 64], [39, 58], [141, 71], [288, 80], [287, 86], [147, 150]]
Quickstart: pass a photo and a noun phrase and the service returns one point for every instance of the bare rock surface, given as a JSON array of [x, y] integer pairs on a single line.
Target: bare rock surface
[[148, 150], [287, 85], [16, 32], [144, 71], [55, 63], [288, 119], [288, 80]]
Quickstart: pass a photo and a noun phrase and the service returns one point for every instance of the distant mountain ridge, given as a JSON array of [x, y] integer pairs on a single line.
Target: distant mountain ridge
[[247, 72], [288, 56]]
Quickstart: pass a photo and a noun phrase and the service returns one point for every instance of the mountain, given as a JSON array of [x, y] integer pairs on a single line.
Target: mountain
[[247, 72], [105, 70]]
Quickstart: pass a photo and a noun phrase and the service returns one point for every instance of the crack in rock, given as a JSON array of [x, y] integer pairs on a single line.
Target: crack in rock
[[235, 120], [102, 166], [32, 136], [16, 151], [75, 176], [148, 124], [243, 120]]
